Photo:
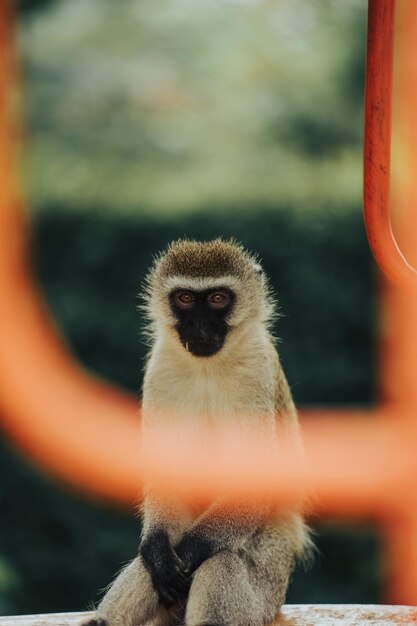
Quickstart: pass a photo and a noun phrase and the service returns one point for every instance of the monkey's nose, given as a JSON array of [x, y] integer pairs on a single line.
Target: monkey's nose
[[202, 330], [205, 336]]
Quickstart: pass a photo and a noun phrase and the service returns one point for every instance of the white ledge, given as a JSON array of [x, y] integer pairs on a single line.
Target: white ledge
[[292, 615]]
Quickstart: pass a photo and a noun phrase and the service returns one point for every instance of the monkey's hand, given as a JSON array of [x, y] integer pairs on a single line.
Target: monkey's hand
[[164, 568], [193, 550]]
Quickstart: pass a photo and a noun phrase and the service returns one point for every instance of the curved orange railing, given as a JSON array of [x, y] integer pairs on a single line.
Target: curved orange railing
[[83, 430], [86, 432], [377, 147]]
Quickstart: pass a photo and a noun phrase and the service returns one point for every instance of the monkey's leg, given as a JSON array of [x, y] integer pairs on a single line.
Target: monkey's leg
[[244, 587], [131, 600]]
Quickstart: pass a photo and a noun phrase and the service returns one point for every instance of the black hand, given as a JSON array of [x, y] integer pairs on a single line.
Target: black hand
[[192, 550], [164, 568]]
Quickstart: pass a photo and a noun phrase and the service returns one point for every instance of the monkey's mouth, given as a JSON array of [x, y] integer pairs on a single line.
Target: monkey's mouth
[[201, 347]]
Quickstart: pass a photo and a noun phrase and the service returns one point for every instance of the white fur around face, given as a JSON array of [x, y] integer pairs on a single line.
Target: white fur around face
[[201, 283]]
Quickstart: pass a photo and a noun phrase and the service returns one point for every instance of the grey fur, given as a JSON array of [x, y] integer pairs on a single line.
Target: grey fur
[[253, 549]]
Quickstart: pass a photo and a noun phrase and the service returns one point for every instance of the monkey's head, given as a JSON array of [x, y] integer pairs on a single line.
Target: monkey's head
[[202, 292]]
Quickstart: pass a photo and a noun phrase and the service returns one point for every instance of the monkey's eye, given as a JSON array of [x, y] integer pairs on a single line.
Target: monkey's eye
[[184, 299], [219, 300]]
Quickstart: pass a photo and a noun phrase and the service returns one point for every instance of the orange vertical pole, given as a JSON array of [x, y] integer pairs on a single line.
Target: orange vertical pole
[[398, 362], [399, 366], [377, 146]]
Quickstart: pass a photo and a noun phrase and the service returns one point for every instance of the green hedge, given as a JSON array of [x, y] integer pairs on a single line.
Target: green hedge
[[57, 550]]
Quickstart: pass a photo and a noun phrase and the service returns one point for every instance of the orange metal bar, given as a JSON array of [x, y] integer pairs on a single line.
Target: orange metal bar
[[73, 424], [398, 363], [344, 472], [377, 148]]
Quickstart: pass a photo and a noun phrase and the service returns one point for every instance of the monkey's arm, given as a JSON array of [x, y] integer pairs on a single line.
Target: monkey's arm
[[162, 527]]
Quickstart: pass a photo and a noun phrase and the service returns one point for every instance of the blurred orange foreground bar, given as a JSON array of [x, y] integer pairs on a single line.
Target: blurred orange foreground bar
[[357, 466]]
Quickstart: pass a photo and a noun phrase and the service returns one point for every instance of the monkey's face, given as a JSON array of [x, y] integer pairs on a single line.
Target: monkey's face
[[206, 295], [202, 318]]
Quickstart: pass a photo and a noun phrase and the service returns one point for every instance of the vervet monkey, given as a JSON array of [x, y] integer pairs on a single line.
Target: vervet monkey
[[212, 358]]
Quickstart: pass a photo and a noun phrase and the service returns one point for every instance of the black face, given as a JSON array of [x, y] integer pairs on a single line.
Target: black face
[[202, 318]]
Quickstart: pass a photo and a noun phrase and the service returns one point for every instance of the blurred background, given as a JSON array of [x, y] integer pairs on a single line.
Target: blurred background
[[147, 120]]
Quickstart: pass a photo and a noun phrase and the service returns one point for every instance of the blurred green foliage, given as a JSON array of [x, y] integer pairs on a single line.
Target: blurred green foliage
[[147, 121], [26, 6], [173, 106]]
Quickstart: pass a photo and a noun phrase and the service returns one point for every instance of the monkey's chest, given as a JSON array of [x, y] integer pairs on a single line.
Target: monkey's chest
[[194, 401], [189, 396], [199, 413]]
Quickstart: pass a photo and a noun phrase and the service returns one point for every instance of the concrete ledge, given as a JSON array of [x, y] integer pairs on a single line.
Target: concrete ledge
[[292, 615]]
